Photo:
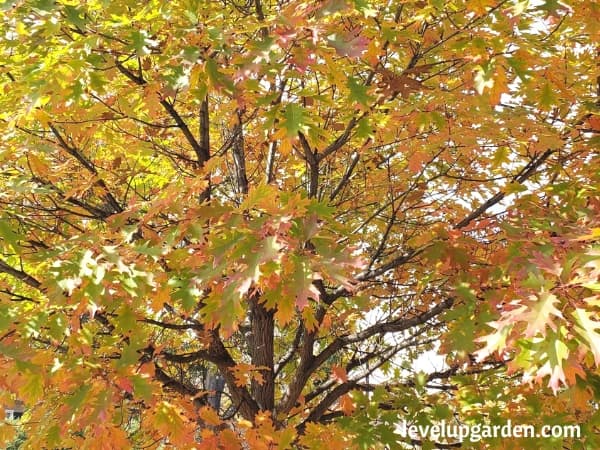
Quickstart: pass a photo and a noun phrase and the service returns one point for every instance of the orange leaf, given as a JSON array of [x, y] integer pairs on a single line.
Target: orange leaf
[[347, 404], [229, 440], [209, 416], [339, 374], [594, 122], [37, 165], [416, 161], [500, 86], [168, 421]]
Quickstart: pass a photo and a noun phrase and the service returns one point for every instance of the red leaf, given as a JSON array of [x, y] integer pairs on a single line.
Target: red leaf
[[125, 384], [352, 46]]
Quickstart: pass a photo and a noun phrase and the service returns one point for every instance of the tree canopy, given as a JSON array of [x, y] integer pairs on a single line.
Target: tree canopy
[[301, 201]]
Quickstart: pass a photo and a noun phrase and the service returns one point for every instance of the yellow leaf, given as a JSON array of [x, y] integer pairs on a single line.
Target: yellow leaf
[[209, 416], [37, 165], [169, 423], [499, 87], [593, 235], [40, 115], [480, 6]]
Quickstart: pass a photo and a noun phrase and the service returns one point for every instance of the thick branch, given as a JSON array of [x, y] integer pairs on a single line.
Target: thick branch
[[173, 384], [527, 171], [24, 277], [239, 159], [217, 353], [73, 151], [202, 153], [309, 363], [262, 353], [96, 212], [173, 326], [79, 156], [312, 160], [394, 326], [346, 177], [188, 357], [205, 128], [271, 162], [340, 140], [329, 400]]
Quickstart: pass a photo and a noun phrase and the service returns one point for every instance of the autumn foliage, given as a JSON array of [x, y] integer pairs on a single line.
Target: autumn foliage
[[302, 202]]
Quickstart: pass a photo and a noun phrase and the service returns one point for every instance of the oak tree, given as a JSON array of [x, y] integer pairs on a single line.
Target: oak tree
[[246, 224]]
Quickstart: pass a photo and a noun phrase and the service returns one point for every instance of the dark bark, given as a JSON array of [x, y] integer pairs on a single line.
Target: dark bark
[[239, 159], [262, 353]]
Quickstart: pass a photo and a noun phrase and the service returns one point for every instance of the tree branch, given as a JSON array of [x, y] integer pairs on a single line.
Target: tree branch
[[173, 326], [309, 363], [239, 158], [202, 153], [224, 362], [205, 128], [78, 155], [262, 353], [173, 384], [393, 326], [523, 175], [23, 276], [346, 177], [312, 160], [340, 140]]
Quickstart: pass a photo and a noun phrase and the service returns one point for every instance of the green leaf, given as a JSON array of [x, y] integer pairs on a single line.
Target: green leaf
[[588, 329], [126, 320], [141, 387], [358, 91], [364, 129], [32, 389], [216, 78], [294, 119], [501, 156], [191, 53], [141, 42], [8, 234], [520, 67], [366, 7], [188, 295], [547, 96], [6, 317], [44, 5], [76, 16], [514, 188], [129, 356], [147, 249], [78, 397]]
